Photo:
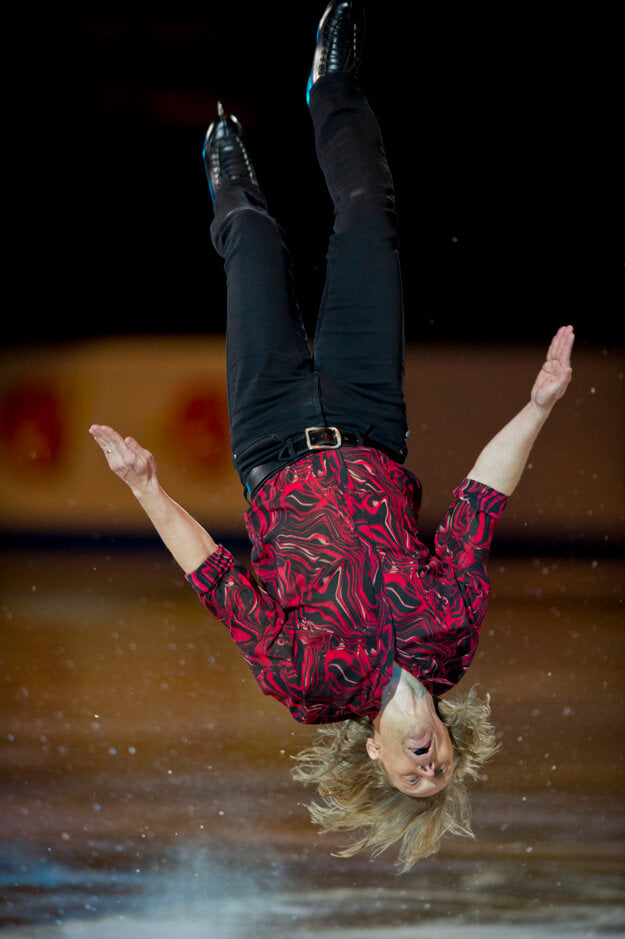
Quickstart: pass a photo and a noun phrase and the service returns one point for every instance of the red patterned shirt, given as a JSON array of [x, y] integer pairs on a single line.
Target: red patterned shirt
[[344, 586]]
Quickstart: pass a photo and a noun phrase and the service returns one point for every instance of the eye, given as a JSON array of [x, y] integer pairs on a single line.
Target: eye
[[421, 750]]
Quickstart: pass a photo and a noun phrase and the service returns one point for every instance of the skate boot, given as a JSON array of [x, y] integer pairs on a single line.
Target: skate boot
[[339, 41], [225, 155]]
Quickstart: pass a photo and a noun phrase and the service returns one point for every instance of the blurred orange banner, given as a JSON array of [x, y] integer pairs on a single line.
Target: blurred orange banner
[[170, 393]]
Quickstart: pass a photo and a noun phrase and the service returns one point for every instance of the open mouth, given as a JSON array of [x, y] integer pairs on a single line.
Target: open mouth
[[421, 751]]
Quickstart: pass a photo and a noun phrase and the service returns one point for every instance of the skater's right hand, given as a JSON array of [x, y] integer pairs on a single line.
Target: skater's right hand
[[555, 375]]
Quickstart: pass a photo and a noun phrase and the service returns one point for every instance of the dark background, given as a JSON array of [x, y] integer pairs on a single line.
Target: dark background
[[502, 131]]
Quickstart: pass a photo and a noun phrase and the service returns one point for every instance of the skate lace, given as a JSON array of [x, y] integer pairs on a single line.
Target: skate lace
[[233, 161]]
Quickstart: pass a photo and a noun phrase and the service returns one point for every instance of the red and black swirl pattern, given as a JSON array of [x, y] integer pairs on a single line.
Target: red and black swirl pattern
[[343, 586]]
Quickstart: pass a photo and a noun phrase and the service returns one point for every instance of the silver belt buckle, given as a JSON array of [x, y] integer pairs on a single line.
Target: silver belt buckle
[[325, 444]]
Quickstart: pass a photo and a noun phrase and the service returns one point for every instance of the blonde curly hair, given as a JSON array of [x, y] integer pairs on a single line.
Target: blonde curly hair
[[357, 796]]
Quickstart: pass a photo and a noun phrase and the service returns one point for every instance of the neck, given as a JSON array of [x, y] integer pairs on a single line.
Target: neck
[[402, 689]]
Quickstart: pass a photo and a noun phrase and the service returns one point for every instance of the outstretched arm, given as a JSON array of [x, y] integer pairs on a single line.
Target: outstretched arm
[[501, 463], [186, 539]]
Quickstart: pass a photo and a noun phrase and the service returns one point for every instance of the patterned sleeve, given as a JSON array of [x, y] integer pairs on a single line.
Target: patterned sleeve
[[256, 621], [463, 540], [437, 625]]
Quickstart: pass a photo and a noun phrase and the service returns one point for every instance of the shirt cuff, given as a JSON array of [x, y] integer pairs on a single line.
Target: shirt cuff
[[210, 571], [482, 497]]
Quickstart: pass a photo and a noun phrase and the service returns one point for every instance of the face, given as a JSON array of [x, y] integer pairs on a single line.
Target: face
[[418, 761]]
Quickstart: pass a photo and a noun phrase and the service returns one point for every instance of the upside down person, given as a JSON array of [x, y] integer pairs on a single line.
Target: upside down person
[[350, 620]]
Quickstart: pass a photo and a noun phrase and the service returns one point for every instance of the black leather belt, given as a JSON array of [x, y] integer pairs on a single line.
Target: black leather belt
[[313, 438]]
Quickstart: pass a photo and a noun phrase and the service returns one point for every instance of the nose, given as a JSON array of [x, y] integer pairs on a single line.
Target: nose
[[428, 769]]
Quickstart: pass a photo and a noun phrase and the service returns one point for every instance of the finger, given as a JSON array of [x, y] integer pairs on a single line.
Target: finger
[[569, 340], [108, 439], [561, 344], [136, 448], [101, 432], [565, 345], [554, 346], [132, 444]]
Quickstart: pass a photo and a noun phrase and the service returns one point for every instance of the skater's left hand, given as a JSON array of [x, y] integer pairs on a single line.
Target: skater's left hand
[[127, 459]]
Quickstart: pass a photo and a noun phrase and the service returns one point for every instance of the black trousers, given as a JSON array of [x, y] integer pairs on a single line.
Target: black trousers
[[354, 378]]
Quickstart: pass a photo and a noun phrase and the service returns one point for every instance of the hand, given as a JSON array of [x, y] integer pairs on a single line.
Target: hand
[[127, 459], [555, 375]]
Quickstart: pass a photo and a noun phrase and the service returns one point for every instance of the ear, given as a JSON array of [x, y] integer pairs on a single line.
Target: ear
[[373, 748]]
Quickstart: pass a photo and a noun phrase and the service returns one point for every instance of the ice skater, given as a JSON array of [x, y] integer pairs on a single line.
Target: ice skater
[[349, 619]]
